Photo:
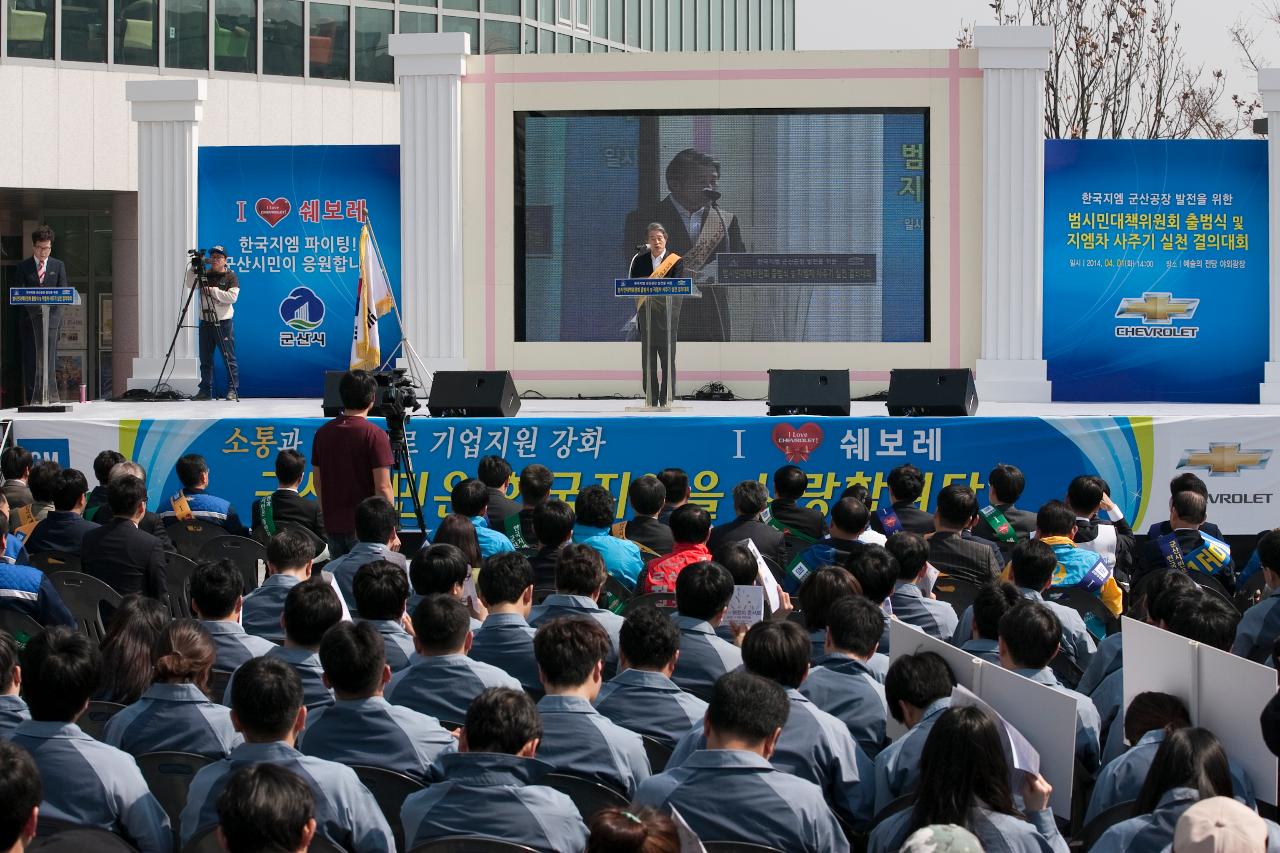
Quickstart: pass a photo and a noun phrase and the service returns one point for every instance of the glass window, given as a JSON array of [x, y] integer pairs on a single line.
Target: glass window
[[692, 23], [546, 41], [84, 30], [282, 37], [646, 25], [704, 25], [416, 22], [502, 7], [659, 25], [546, 11], [583, 8], [673, 25], [136, 31], [716, 24], [373, 28], [743, 43], [600, 18], [777, 25], [564, 44], [564, 11], [330, 26], [418, 3], [755, 24], [31, 28], [501, 37], [633, 23], [581, 46], [599, 47], [471, 26], [616, 20], [235, 35], [186, 43], [789, 27], [530, 40], [464, 5]]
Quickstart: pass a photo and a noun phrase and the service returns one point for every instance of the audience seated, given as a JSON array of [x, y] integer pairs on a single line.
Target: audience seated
[[917, 689], [842, 682], [576, 738], [150, 521], [876, 571], [750, 500], [285, 505], [819, 591], [460, 532], [1185, 482], [43, 483], [1112, 539], [862, 495], [553, 523], [441, 680], [642, 697], [727, 790], [310, 609], [849, 520], [1187, 547], [289, 558], [194, 502], [690, 525], [64, 527], [361, 727], [377, 540], [1260, 626], [647, 497], [20, 796], [12, 709], [15, 464], [265, 807], [505, 640], [1077, 567], [128, 649], [745, 569], [989, 606], [909, 603], [488, 786], [85, 782], [594, 510], [1001, 521], [632, 830], [950, 551], [906, 485], [964, 781], [703, 592], [470, 499], [441, 569], [28, 591], [12, 551], [495, 473], [119, 553], [580, 578], [97, 499], [535, 487], [381, 594], [676, 482], [217, 597], [175, 714], [801, 525], [267, 709]]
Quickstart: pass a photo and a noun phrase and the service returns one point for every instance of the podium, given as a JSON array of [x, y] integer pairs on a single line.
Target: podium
[[659, 297], [45, 298]]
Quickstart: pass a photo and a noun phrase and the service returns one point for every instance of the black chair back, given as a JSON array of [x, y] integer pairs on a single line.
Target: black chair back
[[1093, 829], [1066, 669], [249, 556], [737, 847], [615, 595], [1213, 586], [206, 841], [587, 794], [958, 592], [19, 625], [169, 775], [86, 837], [94, 719], [1087, 605], [1251, 591], [470, 844], [84, 596], [190, 536], [659, 752], [317, 542], [663, 600], [218, 681], [177, 582], [390, 789], [53, 561]]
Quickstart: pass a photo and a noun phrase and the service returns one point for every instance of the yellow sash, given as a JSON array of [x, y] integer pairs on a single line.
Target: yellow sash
[[26, 517], [181, 508], [661, 272], [708, 239]]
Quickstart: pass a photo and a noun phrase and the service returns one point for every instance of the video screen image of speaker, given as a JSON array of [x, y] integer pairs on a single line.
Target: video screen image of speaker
[[473, 394], [932, 393]]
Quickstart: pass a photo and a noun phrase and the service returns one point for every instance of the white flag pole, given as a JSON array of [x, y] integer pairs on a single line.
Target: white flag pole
[[417, 368]]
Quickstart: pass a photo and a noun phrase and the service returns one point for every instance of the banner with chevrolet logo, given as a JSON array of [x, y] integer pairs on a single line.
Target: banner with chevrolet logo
[[1155, 269]]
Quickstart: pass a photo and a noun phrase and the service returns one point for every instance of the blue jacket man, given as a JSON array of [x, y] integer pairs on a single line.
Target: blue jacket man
[[596, 510], [744, 723], [267, 709], [505, 640], [470, 498], [580, 579], [60, 531], [193, 502], [174, 717]]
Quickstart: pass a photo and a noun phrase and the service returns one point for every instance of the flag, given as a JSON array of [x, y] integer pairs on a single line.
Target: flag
[[373, 300]]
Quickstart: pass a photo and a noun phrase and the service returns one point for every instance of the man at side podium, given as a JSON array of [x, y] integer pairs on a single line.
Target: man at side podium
[[40, 270], [657, 327]]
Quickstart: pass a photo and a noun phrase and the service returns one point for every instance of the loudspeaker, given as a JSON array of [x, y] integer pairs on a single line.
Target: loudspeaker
[[473, 394], [809, 392], [333, 400], [935, 393]]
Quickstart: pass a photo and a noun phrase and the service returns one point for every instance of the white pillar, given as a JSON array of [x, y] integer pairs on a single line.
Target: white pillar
[[1269, 88], [430, 67], [1013, 62], [168, 115]]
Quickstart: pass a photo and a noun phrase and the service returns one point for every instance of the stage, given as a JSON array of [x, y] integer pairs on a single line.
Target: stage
[[1137, 448]]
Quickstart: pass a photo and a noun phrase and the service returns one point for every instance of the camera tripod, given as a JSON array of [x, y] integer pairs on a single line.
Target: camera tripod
[[402, 463], [161, 390]]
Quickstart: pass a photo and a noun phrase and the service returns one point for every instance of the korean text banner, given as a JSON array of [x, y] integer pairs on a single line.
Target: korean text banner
[[1136, 456], [290, 219], [1155, 270]]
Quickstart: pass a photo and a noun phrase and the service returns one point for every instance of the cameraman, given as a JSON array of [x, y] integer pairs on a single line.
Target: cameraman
[[218, 297]]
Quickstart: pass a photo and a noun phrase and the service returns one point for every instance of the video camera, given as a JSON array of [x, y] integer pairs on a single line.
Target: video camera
[[397, 397]]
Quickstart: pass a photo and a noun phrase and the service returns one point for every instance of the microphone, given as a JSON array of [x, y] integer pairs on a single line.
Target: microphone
[[642, 247], [711, 194]]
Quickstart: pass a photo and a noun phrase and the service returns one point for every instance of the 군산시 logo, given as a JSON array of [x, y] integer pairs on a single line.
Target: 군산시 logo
[[302, 310]]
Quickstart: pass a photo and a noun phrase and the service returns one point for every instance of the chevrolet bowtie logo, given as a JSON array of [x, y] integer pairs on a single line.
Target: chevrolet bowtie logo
[[1225, 459], [1159, 309]]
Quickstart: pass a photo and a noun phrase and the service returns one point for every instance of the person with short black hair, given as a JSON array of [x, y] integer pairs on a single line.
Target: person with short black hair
[[361, 727], [1260, 626], [750, 500], [267, 709], [495, 473], [642, 697], [819, 591], [908, 601], [1185, 482], [15, 465], [745, 723], [311, 608], [676, 483], [20, 796], [801, 525], [849, 533], [917, 689], [441, 680], [217, 596], [1111, 539], [286, 505], [97, 500], [505, 640], [1029, 637], [552, 522], [1056, 526], [63, 529], [703, 592], [989, 606], [647, 497], [493, 775], [12, 709], [690, 527], [876, 571], [289, 562], [906, 485], [27, 590], [150, 521], [470, 499], [577, 738], [43, 483], [843, 681], [580, 579], [381, 593], [950, 551], [85, 781], [119, 553], [535, 488], [595, 509], [1187, 547], [443, 569], [376, 540], [194, 503], [265, 807], [1001, 521]]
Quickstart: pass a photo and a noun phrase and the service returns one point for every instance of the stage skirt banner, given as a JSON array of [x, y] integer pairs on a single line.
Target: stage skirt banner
[[1155, 269], [290, 219], [1136, 456]]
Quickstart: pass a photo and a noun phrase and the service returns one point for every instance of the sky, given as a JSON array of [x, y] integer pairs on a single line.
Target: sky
[[866, 24]]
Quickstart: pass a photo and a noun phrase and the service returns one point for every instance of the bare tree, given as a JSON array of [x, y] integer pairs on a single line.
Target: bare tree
[[1117, 69]]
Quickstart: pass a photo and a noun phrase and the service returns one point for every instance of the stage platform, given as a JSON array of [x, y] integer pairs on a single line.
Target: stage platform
[[1137, 448]]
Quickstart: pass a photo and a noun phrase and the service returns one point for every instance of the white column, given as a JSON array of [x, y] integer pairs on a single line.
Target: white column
[[1013, 62], [168, 115], [1269, 88], [430, 67]]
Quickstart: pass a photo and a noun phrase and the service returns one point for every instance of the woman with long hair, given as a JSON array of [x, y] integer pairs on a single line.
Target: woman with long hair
[[128, 649], [175, 715], [458, 530], [1189, 766], [964, 780], [632, 830]]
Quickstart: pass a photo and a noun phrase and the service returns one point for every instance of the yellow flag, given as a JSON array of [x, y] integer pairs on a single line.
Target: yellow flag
[[373, 300]]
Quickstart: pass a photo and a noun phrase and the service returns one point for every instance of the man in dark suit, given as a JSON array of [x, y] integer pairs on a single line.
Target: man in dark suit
[[16, 463], [698, 230], [151, 522], [118, 553], [495, 473], [285, 505], [647, 495], [40, 270], [1004, 485], [749, 500], [64, 528], [657, 323], [906, 484], [952, 554]]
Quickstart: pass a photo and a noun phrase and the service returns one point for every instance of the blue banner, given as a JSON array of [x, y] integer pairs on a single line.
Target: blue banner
[[290, 219], [1155, 270]]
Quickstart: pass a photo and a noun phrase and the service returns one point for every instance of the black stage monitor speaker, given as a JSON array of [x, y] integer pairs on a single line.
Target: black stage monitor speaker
[[933, 393], [473, 394], [809, 392]]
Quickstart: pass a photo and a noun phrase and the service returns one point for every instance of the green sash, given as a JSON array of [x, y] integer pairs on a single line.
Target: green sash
[[268, 516], [768, 518], [1000, 525], [511, 526]]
